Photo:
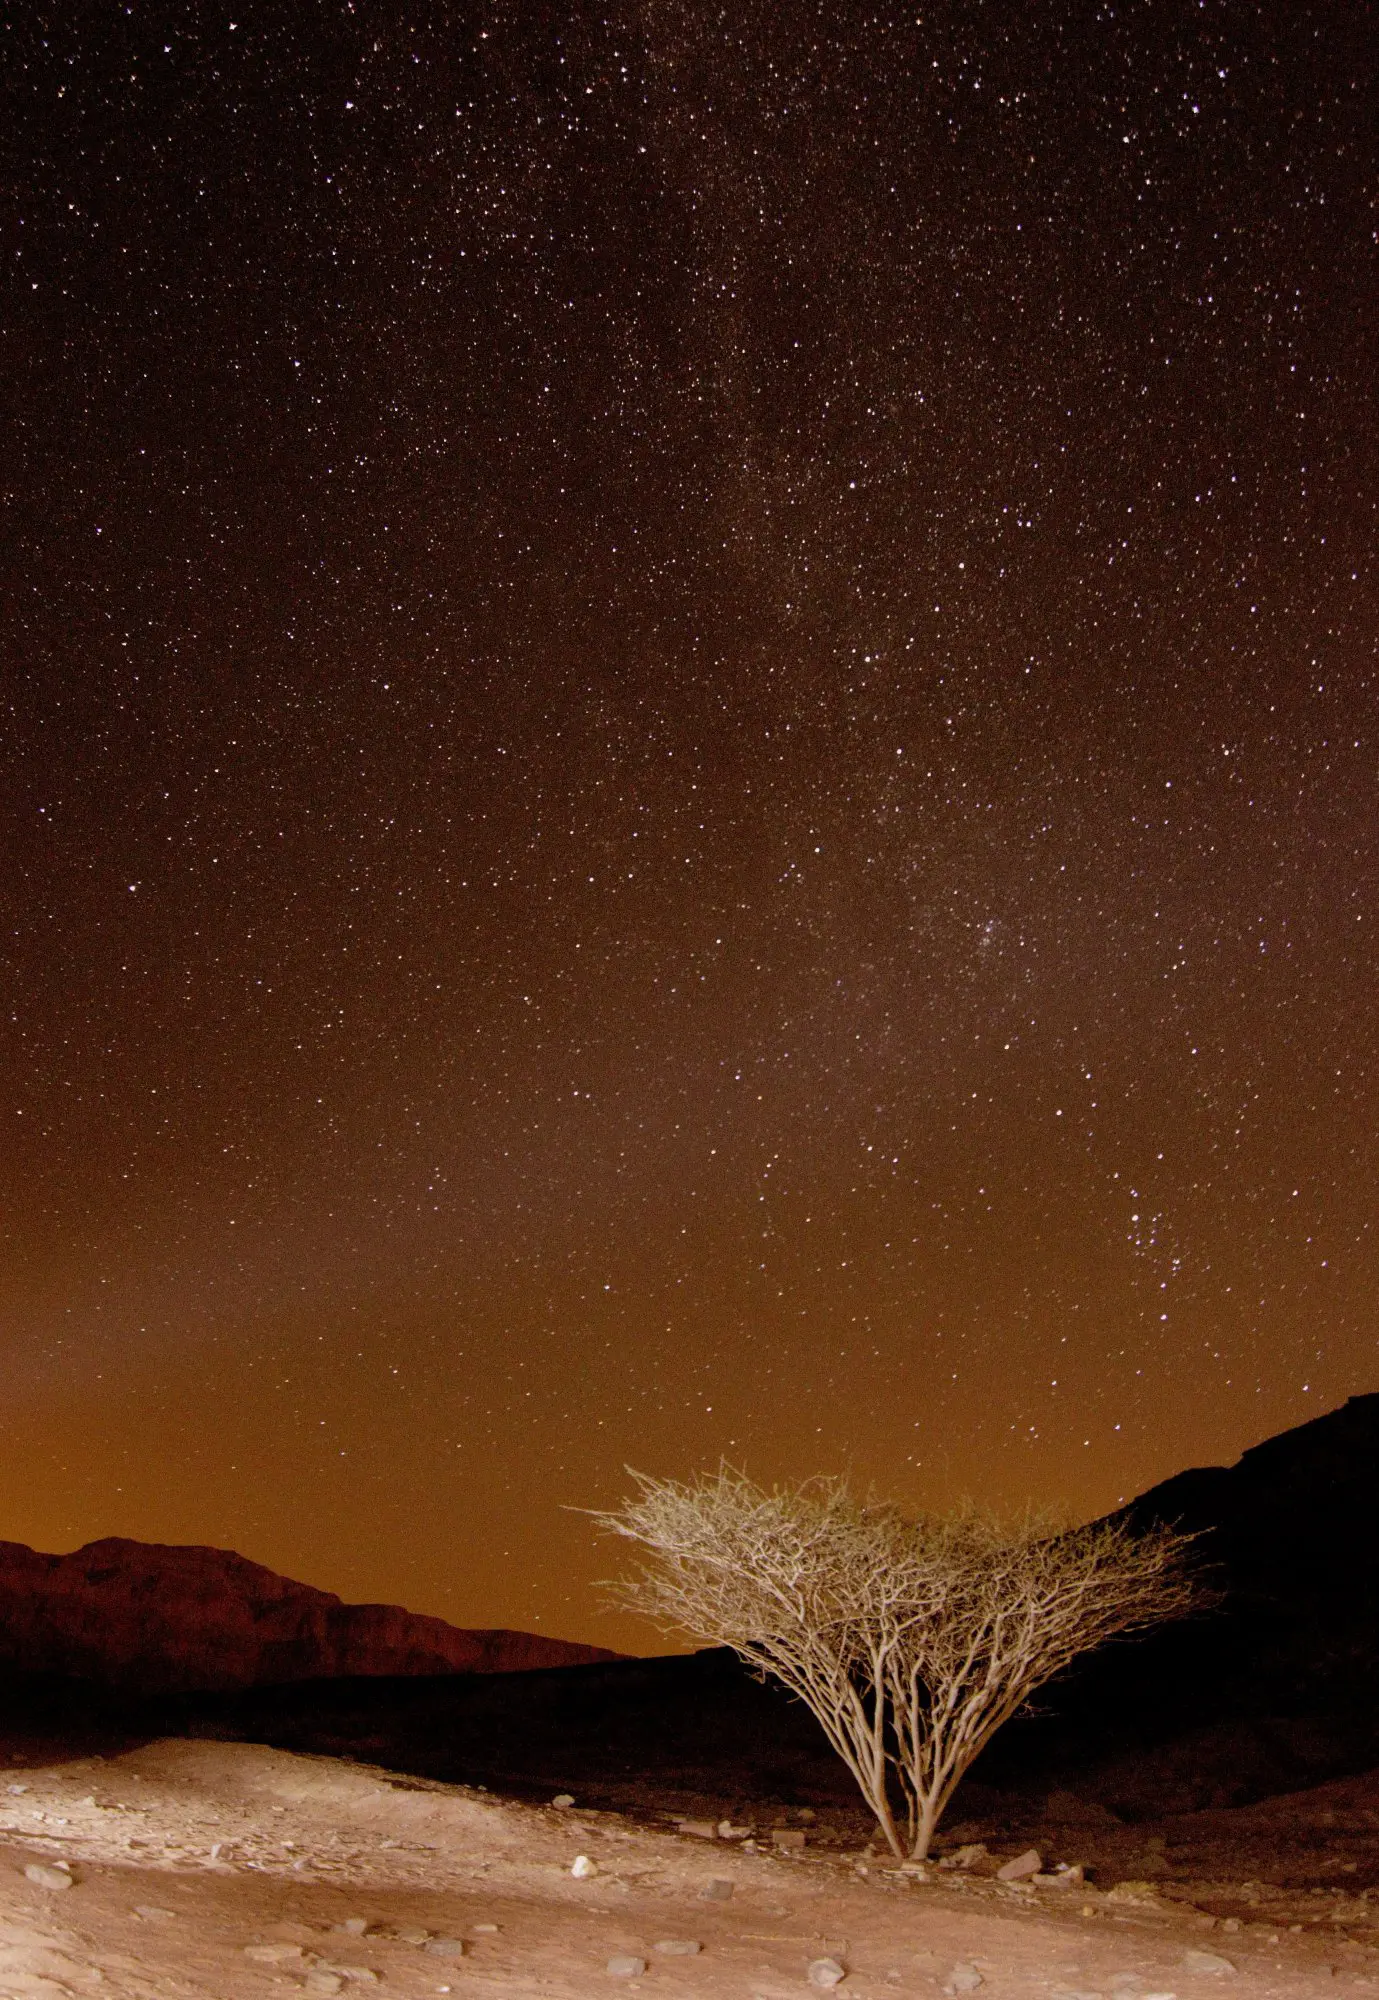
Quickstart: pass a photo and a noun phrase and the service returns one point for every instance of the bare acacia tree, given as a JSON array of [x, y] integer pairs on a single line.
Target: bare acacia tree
[[911, 1641]]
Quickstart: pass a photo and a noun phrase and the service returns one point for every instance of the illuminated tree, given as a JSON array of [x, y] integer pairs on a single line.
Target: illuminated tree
[[911, 1640]]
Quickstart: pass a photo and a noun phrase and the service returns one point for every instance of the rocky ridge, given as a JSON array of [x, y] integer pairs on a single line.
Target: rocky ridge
[[157, 1619]]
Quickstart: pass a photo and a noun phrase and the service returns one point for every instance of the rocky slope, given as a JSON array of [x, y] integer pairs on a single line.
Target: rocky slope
[[156, 1619], [1271, 1689]]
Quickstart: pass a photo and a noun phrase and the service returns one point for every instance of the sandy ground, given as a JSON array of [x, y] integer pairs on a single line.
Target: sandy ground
[[236, 1873]]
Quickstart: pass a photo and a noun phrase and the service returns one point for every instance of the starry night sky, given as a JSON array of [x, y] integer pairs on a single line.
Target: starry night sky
[[689, 763]]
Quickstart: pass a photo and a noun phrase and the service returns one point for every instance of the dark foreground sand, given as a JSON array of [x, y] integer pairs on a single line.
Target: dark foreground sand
[[233, 1872]]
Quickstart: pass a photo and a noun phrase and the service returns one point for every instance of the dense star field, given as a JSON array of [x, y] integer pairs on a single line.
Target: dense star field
[[688, 764]]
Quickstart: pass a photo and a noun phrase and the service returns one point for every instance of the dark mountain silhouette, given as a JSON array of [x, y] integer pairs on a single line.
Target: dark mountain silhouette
[[1293, 1531], [150, 1618], [1276, 1684]]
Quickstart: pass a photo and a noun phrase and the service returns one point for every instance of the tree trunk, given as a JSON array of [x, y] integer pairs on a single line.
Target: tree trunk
[[924, 1826]]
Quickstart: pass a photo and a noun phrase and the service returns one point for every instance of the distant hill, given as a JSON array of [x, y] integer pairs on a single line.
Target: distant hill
[[1272, 1690], [155, 1619], [1275, 1686], [1293, 1529]]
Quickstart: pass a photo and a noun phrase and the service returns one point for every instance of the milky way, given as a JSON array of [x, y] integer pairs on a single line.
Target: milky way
[[689, 764]]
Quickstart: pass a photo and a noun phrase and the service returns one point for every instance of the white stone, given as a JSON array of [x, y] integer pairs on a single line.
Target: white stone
[[45, 1877], [964, 1978], [1205, 1961], [825, 1973]]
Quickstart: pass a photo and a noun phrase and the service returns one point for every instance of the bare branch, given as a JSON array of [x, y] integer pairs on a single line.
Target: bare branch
[[911, 1641]]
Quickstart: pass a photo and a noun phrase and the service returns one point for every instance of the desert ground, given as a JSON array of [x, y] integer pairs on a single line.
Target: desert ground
[[237, 1872]]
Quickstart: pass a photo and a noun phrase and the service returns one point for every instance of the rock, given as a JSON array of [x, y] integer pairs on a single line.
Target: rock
[[1143, 1893], [966, 1856], [623, 1965], [445, 1947], [1031, 1862], [1063, 1876], [1197, 1960], [156, 1618], [678, 1948], [485, 1930], [789, 1838], [583, 1867], [563, 1801], [698, 1829], [825, 1973], [718, 1890], [153, 1913], [727, 1831], [273, 1954], [45, 1877], [411, 1934], [319, 1981], [964, 1978], [356, 1926]]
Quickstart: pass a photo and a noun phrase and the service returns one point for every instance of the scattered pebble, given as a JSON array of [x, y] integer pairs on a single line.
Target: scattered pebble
[[698, 1829], [718, 1890], [356, 1926], [825, 1973], [273, 1954], [1031, 1862], [318, 1981], [47, 1877], [1195, 1960], [154, 1914], [445, 1947], [788, 1837], [678, 1947], [964, 1978], [563, 1801], [486, 1930], [623, 1965], [411, 1934], [584, 1867]]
